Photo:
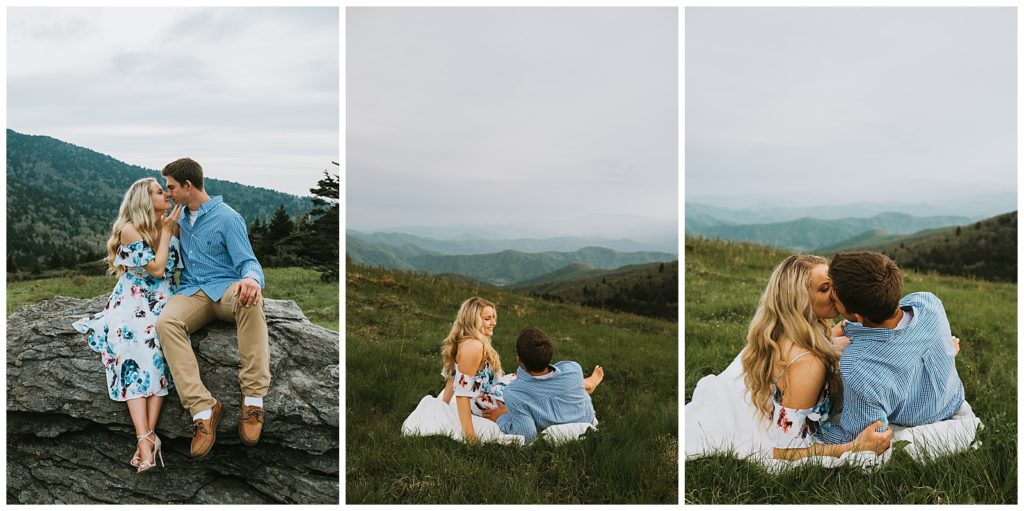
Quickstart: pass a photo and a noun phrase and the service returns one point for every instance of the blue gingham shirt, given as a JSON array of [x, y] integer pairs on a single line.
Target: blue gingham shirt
[[536, 402], [904, 375], [216, 250]]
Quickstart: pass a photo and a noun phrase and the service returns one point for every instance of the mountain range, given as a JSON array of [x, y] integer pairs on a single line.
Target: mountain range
[[813, 234], [502, 268], [62, 199]]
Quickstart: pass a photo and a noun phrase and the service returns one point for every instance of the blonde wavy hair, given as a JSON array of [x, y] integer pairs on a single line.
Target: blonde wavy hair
[[136, 209], [785, 310], [469, 325]]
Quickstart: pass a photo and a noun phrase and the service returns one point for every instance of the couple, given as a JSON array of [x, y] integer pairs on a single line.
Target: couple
[[813, 389], [148, 317], [538, 395]]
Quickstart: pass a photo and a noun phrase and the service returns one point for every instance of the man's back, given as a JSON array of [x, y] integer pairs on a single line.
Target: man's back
[[537, 402], [906, 375]]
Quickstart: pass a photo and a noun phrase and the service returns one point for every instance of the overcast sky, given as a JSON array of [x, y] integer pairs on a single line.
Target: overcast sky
[[250, 93], [505, 116], [804, 106]]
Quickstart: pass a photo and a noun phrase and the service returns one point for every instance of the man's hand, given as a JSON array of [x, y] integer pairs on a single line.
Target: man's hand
[[247, 291], [492, 414], [956, 345]]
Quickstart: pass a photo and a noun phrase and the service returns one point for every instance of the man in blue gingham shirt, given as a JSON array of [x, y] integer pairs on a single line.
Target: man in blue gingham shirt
[[222, 280], [543, 394], [899, 366]]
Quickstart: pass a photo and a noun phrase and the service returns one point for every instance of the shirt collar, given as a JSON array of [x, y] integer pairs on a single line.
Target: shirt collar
[[521, 373]]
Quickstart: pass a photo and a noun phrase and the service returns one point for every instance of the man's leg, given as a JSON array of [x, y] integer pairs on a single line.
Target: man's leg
[[254, 352], [181, 316]]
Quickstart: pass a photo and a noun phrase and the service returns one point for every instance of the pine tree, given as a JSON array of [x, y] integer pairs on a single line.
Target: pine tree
[[280, 225]]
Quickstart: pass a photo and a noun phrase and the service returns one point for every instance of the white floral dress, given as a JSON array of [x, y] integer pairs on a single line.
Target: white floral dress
[[485, 388], [796, 427], [124, 333]]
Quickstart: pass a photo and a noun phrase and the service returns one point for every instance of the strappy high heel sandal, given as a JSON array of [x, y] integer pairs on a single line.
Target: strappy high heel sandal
[[143, 464]]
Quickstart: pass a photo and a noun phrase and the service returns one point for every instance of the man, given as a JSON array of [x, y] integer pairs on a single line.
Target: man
[[222, 280], [899, 365], [542, 394]]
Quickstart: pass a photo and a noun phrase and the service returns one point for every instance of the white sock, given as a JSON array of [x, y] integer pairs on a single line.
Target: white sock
[[204, 415], [254, 401]]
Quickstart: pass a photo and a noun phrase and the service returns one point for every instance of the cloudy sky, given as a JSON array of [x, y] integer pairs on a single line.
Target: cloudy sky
[[250, 93], [806, 106], [548, 117]]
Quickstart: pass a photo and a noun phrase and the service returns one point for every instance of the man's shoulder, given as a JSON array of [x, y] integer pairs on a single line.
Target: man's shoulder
[[568, 366], [221, 208]]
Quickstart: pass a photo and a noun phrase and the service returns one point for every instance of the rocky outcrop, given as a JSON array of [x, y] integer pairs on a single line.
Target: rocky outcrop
[[67, 442]]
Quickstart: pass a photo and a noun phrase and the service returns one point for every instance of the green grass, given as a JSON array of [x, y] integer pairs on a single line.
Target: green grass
[[723, 283], [319, 301], [395, 324]]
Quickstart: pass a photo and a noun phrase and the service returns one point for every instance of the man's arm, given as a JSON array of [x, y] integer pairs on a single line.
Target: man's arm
[[861, 407], [236, 238], [516, 421]]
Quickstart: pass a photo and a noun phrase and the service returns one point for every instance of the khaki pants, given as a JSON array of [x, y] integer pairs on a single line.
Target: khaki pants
[[183, 315]]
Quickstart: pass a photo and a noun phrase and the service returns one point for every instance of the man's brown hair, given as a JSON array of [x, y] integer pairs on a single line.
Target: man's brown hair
[[867, 283], [185, 169], [534, 349]]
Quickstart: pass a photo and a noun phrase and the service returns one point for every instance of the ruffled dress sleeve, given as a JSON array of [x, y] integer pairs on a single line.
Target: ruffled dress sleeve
[[465, 385], [794, 428], [134, 255]]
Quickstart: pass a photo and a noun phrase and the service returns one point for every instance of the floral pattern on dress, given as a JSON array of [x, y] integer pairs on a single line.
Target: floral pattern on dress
[[807, 420], [124, 333], [485, 388]]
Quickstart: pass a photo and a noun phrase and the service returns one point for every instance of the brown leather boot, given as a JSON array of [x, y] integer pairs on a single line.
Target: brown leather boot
[[251, 424], [204, 432]]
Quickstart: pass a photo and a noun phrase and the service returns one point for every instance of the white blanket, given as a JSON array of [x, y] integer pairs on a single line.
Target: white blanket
[[433, 417], [721, 419]]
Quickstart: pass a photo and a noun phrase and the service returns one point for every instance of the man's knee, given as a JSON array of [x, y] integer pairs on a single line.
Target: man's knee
[[167, 326]]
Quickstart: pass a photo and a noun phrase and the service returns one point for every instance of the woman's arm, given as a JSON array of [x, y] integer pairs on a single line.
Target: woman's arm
[[449, 390], [156, 267], [471, 354], [867, 440]]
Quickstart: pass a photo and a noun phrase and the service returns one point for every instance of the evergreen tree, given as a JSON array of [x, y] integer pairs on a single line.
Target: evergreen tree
[[280, 225]]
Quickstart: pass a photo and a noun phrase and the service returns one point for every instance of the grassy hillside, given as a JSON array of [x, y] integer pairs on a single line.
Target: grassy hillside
[[319, 301], [646, 289], [723, 283], [810, 233], [394, 326], [985, 249]]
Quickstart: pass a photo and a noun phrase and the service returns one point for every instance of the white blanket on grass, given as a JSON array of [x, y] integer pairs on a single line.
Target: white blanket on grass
[[433, 417], [721, 419]]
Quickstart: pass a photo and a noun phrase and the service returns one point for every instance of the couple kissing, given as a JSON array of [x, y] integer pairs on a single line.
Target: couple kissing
[[142, 334]]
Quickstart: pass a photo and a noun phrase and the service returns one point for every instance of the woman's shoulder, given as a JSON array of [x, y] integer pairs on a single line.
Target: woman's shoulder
[[129, 234], [803, 380]]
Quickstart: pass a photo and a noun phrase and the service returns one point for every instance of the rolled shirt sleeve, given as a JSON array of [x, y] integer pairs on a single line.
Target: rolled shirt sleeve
[[517, 421]]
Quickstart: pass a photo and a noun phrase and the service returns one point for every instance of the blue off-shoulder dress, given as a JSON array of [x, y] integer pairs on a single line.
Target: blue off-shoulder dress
[[124, 333]]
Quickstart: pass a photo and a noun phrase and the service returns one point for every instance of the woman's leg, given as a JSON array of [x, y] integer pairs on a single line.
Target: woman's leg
[[137, 410], [153, 404]]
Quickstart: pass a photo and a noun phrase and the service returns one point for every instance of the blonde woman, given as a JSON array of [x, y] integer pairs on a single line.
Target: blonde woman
[[791, 364], [143, 251], [471, 365]]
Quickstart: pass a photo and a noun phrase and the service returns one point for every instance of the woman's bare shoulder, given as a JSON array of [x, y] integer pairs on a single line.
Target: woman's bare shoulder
[[129, 234]]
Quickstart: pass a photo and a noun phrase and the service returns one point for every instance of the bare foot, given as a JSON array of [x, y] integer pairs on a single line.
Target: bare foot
[[590, 382]]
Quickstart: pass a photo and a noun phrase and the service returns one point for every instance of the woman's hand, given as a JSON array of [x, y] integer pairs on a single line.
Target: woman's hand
[[871, 440], [837, 331], [840, 343], [172, 220]]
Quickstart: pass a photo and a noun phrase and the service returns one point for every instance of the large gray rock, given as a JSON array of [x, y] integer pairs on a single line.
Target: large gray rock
[[67, 442]]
